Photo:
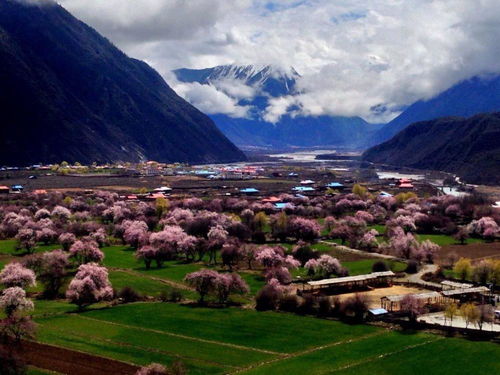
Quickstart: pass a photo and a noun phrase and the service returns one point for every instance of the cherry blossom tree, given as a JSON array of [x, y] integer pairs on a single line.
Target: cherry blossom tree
[[324, 266], [66, 240], [86, 252], [411, 306], [46, 235], [90, 285], [16, 275], [203, 281], [149, 254], [62, 213], [227, 284], [27, 239], [136, 233], [304, 229], [53, 271], [13, 300]]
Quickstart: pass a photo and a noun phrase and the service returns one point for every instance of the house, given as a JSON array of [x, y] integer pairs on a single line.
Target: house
[[307, 182], [271, 200], [335, 185], [384, 194], [40, 192], [282, 206], [249, 191], [303, 189], [163, 189], [17, 188], [4, 190]]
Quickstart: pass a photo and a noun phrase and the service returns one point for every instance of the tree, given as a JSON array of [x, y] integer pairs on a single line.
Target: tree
[[66, 240], [135, 233], [412, 307], [46, 235], [279, 226], [325, 266], [27, 239], [227, 284], [203, 281], [359, 190], [355, 306], [260, 221], [451, 310], [482, 272], [463, 268], [148, 254], [469, 313], [341, 232], [16, 275], [86, 252], [90, 285], [13, 300], [231, 255], [486, 314], [217, 236], [462, 235], [53, 271], [304, 229], [162, 206]]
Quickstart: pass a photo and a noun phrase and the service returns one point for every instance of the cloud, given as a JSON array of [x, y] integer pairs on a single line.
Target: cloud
[[368, 58], [210, 100]]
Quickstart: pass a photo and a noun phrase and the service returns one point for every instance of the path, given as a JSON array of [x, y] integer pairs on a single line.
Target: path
[[359, 252], [416, 278], [164, 281]]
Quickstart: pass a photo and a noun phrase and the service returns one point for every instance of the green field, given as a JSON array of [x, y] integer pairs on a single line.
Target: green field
[[219, 341]]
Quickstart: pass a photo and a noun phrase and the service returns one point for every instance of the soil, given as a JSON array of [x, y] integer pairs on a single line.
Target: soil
[[65, 361], [473, 251], [373, 296]]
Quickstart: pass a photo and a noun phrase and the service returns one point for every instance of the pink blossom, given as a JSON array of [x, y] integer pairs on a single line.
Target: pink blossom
[[90, 285], [14, 274], [86, 252], [66, 240], [13, 300]]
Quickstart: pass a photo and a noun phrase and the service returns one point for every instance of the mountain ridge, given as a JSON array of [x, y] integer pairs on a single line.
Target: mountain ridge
[[65, 84], [468, 147]]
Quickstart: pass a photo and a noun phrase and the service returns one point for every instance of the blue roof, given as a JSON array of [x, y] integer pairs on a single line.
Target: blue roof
[[303, 188], [378, 311], [335, 184], [385, 194], [17, 187], [249, 190], [281, 206]]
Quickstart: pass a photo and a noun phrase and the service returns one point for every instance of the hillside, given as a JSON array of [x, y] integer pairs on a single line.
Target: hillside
[[468, 147], [66, 93], [270, 82], [468, 98]]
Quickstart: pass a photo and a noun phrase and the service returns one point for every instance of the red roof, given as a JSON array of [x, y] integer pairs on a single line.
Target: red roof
[[132, 197], [156, 196], [40, 191], [406, 185], [404, 181], [4, 188], [271, 200]]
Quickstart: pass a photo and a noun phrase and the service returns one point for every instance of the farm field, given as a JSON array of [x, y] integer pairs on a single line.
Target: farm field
[[220, 341]]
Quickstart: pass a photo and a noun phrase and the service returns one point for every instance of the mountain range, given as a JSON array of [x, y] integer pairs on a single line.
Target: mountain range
[[269, 82], [468, 147], [66, 93], [465, 99]]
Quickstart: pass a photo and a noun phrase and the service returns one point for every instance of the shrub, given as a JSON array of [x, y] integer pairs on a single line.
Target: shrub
[[412, 267], [380, 266], [127, 294], [289, 303]]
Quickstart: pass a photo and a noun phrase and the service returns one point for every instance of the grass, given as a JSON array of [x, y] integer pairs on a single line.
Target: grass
[[443, 240], [9, 247], [220, 341]]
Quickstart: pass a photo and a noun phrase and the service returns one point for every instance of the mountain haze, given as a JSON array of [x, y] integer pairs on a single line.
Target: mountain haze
[[66, 93], [291, 130]]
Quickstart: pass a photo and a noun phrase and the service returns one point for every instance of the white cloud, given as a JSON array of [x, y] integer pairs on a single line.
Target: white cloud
[[354, 55], [210, 100]]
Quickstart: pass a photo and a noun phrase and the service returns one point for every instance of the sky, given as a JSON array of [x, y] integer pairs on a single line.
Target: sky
[[368, 58]]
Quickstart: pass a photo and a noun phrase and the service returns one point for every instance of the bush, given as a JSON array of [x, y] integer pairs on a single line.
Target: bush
[[266, 299], [412, 267], [128, 294], [380, 266], [355, 307], [308, 305], [289, 303], [324, 307]]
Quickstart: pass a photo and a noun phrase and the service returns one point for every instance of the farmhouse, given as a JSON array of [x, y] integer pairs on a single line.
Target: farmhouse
[[480, 293], [375, 279]]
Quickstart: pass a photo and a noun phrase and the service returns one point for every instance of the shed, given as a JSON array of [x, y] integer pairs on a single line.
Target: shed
[[371, 280], [335, 185], [17, 188], [393, 302], [303, 189], [4, 190]]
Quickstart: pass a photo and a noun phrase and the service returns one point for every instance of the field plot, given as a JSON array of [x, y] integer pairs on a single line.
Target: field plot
[[224, 341]]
